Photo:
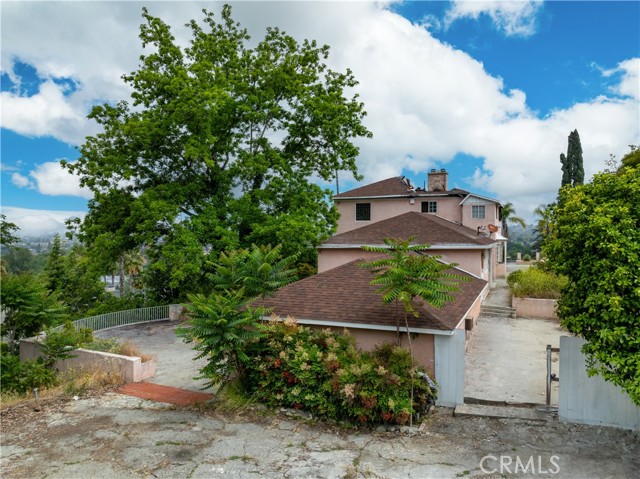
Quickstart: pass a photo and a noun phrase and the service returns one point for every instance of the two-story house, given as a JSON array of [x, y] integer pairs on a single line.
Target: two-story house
[[460, 226]]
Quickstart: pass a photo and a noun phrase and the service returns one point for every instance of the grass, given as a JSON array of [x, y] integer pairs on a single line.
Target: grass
[[533, 282], [127, 348], [70, 383]]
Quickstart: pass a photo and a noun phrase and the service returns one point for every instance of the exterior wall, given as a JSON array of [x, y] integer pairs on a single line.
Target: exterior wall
[[368, 339], [132, 369], [591, 400], [468, 260], [535, 307], [385, 208], [329, 258], [490, 214]]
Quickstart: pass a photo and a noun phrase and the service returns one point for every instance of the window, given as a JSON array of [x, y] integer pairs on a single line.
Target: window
[[363, 211], [477, 211], [429, 206]]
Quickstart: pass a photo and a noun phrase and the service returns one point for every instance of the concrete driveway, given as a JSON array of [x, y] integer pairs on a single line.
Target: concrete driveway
[[506, 358], [176, 366]]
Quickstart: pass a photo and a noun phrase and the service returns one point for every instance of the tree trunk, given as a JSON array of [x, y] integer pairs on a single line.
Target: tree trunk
[[406, 323], [121, 259]]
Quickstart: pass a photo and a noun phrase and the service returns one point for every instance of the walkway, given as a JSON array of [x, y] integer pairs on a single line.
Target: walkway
[[166, 394], [506, 357]]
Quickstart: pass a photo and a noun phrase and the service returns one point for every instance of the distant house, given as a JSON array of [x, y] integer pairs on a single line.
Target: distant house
[[460, 226]]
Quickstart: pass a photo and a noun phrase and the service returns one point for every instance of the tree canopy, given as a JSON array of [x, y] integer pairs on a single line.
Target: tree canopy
[[219, 148], [595, 242]]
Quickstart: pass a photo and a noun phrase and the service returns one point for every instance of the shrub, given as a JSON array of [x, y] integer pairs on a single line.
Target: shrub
[[22, 377], [536, 283], [526, 257], [323, 372]]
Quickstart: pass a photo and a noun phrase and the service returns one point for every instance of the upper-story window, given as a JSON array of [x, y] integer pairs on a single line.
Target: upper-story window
[[363, 211], [477, 211], [429, 206]]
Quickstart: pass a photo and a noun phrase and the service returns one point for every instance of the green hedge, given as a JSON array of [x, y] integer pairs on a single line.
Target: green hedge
[[324, 373], [533, 282]]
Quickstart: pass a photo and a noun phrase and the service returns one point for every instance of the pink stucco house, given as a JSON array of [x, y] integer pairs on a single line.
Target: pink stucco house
[[461, 227]]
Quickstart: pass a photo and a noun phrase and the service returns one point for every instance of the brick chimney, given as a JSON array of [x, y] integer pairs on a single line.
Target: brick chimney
[[437, 180]]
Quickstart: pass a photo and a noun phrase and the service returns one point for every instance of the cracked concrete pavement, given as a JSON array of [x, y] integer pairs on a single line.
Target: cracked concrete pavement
[[116, 436]]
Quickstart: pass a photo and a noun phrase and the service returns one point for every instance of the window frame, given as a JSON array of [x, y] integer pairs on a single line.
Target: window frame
[[368, 205], [475, 212], [428, 208]]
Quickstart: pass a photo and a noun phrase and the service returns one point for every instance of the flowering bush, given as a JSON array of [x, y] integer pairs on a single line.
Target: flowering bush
[[324, 373]]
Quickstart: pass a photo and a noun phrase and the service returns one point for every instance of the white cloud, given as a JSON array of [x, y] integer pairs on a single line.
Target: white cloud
[[33, 222], [629, 84], [513, 18], [51, 179], [426, 101], [21, 181]]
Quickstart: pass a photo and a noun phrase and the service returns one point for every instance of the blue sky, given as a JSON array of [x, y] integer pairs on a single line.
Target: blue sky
[[489, 91]]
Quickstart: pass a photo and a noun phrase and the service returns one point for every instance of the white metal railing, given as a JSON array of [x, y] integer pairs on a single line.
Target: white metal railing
[[122, 318]]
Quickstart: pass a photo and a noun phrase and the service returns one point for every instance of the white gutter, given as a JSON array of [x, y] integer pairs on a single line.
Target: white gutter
[[375, 327]]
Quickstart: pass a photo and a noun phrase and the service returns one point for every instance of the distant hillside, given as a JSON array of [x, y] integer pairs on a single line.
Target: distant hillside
[[522, 240]]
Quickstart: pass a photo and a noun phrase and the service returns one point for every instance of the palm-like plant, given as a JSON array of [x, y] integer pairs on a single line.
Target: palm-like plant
[[258, 271], [509, 216], [220, 325], [406, 275]]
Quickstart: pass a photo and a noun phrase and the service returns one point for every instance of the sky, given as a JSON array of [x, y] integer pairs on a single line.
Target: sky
[[488, 90]]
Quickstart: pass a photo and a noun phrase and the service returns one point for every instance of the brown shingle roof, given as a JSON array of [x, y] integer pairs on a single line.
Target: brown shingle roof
[[389, 187], [427, 229], [344, 295], [396, 186]]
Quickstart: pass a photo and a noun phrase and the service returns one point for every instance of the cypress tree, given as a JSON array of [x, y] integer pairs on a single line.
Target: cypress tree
[[572, 164]]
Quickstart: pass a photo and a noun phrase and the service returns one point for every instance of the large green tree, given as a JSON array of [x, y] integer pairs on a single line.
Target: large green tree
[[595, 242], [220, 147]]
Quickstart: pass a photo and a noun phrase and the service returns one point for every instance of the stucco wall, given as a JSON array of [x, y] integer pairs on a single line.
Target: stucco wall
[[535, 308], [468, 260], [367, 339], [132, 369], [382, 209]]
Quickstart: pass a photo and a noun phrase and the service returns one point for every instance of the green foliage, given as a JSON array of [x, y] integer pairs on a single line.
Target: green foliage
[[533, 282], [258, 271], [7, 230], [323, 372], [218, 150], [508, 215], [28, 307], [18, 260], [572, 163], [407, 274], [526, 257], [23, 376], [112, 304], [220, 326], [596, 244], [58, 345]]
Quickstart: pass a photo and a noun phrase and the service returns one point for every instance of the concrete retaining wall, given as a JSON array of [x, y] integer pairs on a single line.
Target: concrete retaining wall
[[535, 308], [591, 400], [132, 369]]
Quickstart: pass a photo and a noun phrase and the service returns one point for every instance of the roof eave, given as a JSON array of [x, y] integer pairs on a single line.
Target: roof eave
[[369, 326]]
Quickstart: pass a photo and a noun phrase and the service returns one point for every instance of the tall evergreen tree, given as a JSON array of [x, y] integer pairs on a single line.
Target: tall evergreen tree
[[54, 270], [572, 164]]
